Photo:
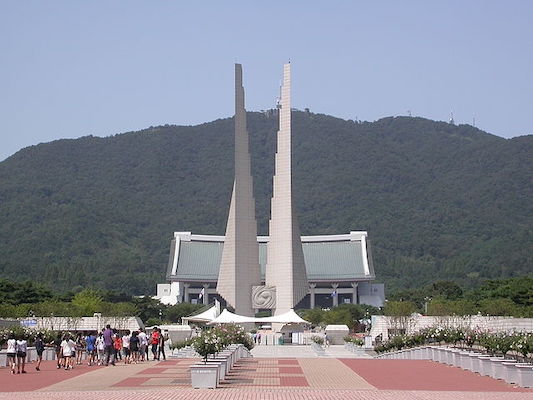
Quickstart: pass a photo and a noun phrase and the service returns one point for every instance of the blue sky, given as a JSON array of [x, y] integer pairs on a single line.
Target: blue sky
[[75, 68]]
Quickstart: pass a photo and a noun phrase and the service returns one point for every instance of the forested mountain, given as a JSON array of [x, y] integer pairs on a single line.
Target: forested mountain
[[439, 201]]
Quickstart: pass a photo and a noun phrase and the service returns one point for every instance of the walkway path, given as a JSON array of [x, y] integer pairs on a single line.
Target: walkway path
[[262, 378]]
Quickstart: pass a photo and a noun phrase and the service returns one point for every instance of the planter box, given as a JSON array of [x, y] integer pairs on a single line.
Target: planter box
[[221, 367], [525, 375], [470, 360], [205, 376], [424, 353], [511, 371], [487, 365], [498, 371], [461, 359], [49, 354], [449, 356], [454, 357], [476, 363], [229, 356]]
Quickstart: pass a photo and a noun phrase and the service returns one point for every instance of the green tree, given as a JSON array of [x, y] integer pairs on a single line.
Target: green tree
[[122, 309], [88, 301], [176, 312], [446, 289], [149, 308], [338, 316], [399, 308], [498, 306], [315, 316]]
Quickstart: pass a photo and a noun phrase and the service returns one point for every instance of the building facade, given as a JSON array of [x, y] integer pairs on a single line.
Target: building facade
[[339, 269]]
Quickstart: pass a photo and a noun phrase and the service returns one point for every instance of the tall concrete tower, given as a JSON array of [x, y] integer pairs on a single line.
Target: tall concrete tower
[[285, 268], [239, 266]]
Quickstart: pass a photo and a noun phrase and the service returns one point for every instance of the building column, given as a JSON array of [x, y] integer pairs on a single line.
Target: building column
[[312, 287], [205, 297], [336, 297], [186, 292], [354, 295]]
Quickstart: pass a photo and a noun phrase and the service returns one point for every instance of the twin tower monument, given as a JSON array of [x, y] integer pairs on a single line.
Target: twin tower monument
[[239, 279]]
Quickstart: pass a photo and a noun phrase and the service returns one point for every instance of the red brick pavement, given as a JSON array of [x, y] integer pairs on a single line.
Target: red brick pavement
[[425, 375], [264, 394], [33, 380], [264, 379]]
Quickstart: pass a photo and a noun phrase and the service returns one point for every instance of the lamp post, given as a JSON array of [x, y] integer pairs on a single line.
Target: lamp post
[[426, 299]]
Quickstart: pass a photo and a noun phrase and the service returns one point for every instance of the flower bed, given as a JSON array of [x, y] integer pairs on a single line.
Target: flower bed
[[215, 339], [30, 333], [518, 344]]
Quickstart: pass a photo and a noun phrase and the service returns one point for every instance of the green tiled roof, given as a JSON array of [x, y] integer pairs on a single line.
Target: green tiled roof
[[328, 260]]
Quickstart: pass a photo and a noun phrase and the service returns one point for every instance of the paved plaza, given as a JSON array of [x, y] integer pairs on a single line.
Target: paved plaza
[[277, 377]]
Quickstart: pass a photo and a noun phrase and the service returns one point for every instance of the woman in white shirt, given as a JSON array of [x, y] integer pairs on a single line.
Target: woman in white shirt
[[126, 347], [68, 348], [100, 348], [22, 347], [12, 352]]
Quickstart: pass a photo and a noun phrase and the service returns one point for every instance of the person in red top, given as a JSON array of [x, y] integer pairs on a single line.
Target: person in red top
[[117, 344], [154, 338]]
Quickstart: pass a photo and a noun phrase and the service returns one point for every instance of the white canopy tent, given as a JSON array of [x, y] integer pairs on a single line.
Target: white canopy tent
[[226, 317], [290, 317], [205, 317]]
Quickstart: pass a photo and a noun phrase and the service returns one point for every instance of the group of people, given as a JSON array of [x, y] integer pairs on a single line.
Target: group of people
[[104, 348], [16, 353], [257, 337]]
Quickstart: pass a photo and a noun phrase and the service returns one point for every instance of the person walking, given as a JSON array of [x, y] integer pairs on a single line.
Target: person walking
[[154, 338], [143, 345], [22, 348], [162, 339], [117, 344], [39, 348], [100, 348], [90, 340], [109, 349], [80, 347], [57, 346], [12, 352], [134, 346], [68, 351], [126, 347]]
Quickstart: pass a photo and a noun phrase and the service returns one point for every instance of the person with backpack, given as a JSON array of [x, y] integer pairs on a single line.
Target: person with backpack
[[39, 348], [22, 348]]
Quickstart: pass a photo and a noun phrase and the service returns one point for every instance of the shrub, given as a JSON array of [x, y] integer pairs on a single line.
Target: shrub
[[317, 339], [353, 339]]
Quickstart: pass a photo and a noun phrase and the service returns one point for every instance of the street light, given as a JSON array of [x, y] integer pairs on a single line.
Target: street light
[[426, 299]]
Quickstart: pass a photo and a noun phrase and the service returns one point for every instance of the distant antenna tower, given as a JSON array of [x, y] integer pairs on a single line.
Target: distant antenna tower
[[474, 122], [451, 119], [409, 112]]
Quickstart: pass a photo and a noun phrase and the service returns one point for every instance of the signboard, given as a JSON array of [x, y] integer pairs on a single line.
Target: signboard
[[29, 323]]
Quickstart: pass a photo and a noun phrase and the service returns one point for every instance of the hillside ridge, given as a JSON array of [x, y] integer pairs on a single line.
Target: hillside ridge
[[439, 201]]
